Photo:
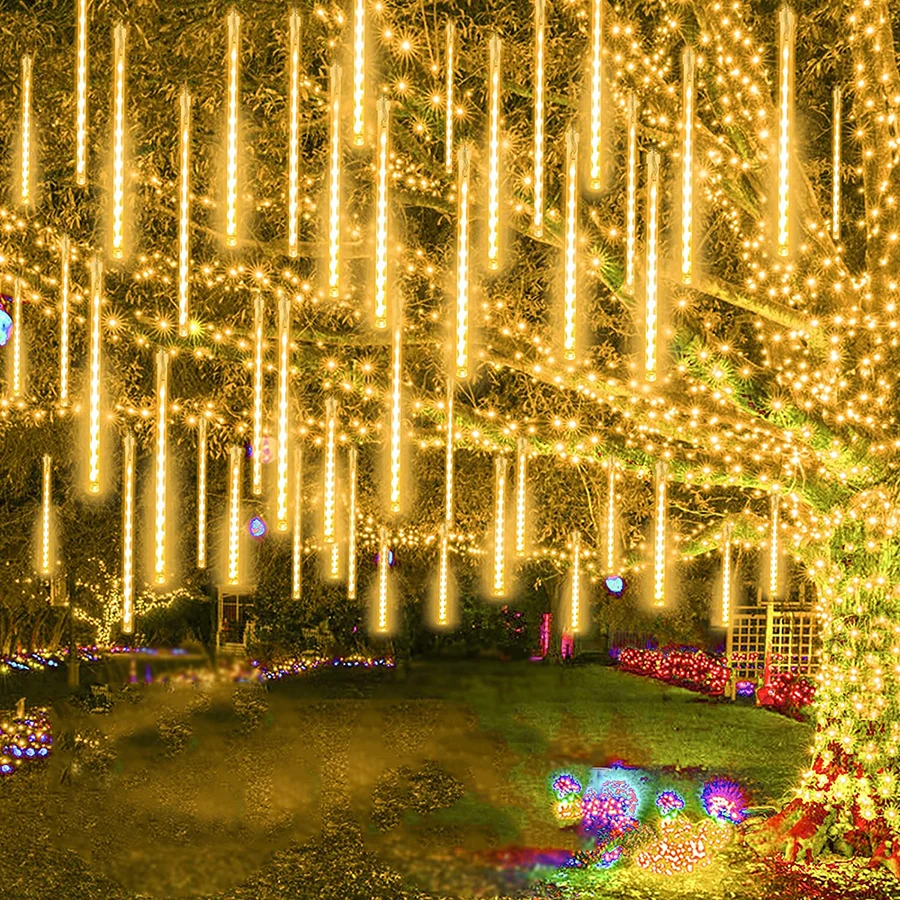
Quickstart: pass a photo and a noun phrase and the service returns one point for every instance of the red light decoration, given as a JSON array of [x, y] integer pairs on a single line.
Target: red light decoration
[[689, 669]]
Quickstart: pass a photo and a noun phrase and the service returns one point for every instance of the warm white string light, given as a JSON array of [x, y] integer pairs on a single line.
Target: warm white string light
[[381, 213], [284, 372], [25, 182], [201, 491], [651, 287], [118, 175], [448, 459], [631, 192], [570, 340], [234, 514], [726, 574], [493, 260], [498, 587], [521, 496], [46, 566], [836, 104], [64, 288], [687, 165], [448, 108], [17, 349], [661, 509], [294, 136], [233, 66], [334, 187], [539, 116], [396, 410], [351, 525], [328, 506], [596, 174], [575, 605], [258, 346], [297, 535], [383, 568], [128, 479], [162, 402], [774, 550], [359, 72], [94, 380], [81, 93], [184, 210], [786, 31], [611, 517], [462, 266]]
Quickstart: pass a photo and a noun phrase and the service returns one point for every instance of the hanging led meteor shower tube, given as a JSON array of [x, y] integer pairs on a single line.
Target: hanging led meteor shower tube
[[570, 340], [539, 115], [64, 288], [396, 411], [631, 192], [328, 531], [493, 260], [17, 350], [26, 197], [726, 574], [94, 377], [651, 288], [498, 585], [836, 103], [381, 625], [258, 345], [234, 514], [359, 72], [297, 536], [284, 365], [294, 136], [448, 108], [118, 173], [334, 187], [381, 213], [611, 517], [661, 517], [774, 549], [575, 604], [201, 492], [81, 99], [462, 266], [786, 34], [521, 495], [184, 211], [596, 94], [233, 67], [162, 402], [46, 560], [128, 483], [351, 525], [687, 165]]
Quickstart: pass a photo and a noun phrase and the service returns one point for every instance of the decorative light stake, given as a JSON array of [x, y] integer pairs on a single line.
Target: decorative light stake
[[611, 517], [726, 574], [359, 72], [396, 410], [162, 402], [64, 286], [651, 305], [462, 267], [448, 463], [46, 508], [687, 165], [184, 211], [257, 457], [128, 478], [498, 587], [448, 112], [201, 492], [234, 514], [297, 537], [351, 527], [233, 66], [659, 536], [570, 340], [334, 187], [330, 472], [81, 100], [383, 568], [381, 213], [836, 104], [94, 386], [575, 606], [284, 371], [774, 549], [596, 93], [18, 288], [631, 193], [26, 175], [118, 175], [786, 34], [521, 495], [494, 156], [294, 139], [539, 116]]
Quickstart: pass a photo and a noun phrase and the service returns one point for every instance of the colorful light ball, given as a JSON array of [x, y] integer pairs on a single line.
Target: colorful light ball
[[615, 584], [724, 800], [257, 528], [669, 802], [566, 784]]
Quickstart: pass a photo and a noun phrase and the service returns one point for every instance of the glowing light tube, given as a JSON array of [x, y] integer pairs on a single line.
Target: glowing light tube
[[570, 339], [661, 516], [64, 288], [381, 214], [184, 211], [297, 535], [201, 491], [836, 104], [448, 461], [334, 187], [118, 174], [396, 412], [334, 557], [234, 514], [257, 458], [381, 625], [94, 381], [687, 165], [328, 531], [596, 94], [462, 266], [631, 193], [25, 194], [651, 300], [611, 517], [128, 467], [294, 138], [521, 495], [539, 116], [774, 549], [81, 99], [18, 290], [786, 33], [726, 574], [443, 612], [448, 110], [351, 527], [575, 605], [46, 495], [233, 67], [284, 371], [162, 402], [494, 156], [498, 586], [359, 72]]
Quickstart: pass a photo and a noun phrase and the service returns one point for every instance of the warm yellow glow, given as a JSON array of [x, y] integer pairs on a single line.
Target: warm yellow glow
[[162, 401], [18, 289], [396, 411], [443, 612], [570, 340], [334, 187], [284, 372], [575, 606], [294, 139], [631, 193], [661, 517], [81, 100], [596, 175], [786, 22], [25, 196], [687, 165], [726, 574], [64, 287], [128, 479], [359, 72], [498, 587], [118, 174], [234, 514], [539, 116], [297, 535], [494, 155], [46, 500], [334, 562], [330, 470], [383, 569], [836, 104], [611, 517], [774, 550], [462, 267], [231, 150], [257, 457], [201, 492], [448, 107], [381, 214], [448, 459], [651, 301], [521, 495], [351, 526], [184, 211], [94, 385]]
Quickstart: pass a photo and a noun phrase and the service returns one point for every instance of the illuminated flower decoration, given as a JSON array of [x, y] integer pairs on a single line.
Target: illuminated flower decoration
[[566, 784], [682, 846], [610, 809], [568, 810], [724, 800], [669, 802], [609, 858]]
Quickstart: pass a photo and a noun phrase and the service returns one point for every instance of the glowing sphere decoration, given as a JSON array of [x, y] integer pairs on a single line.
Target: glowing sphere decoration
[[566, 784], [257, 528], [615, 584], [6, 322], [725, 800], [669, 803]]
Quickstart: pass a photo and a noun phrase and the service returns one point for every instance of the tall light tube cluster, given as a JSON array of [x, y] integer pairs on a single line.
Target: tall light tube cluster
[[575, 604], [201, 491], [234, 514], [539, 115], [774, 549], [493, 260], [596, 160], [118, 172], [631, 191], [258, 336], [836, 117], [284, 372], [396, 411], [462, 265], [334, 187], [46, 566], [233, 68], [351, 524], [786, 35], [651, 288], [94, 377], [448, 108], [381, 212], [81, 98], [27, 169], [294, 136], [162, 403], [184, 210], [328, 530], [570, 337], [498, 581], [661, 522], [359, 73], [521, 496], [687, 165], [381, 624], [64, 290], [128, 485], [297, 533], [726, 574], [17, 377]]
